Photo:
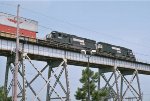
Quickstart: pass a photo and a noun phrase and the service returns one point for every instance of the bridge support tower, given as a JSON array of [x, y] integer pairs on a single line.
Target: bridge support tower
[[56, 69], [120, 83]]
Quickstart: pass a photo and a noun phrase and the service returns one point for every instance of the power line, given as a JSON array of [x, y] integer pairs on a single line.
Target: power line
[[46, 27], [146, 55], [8, 4]]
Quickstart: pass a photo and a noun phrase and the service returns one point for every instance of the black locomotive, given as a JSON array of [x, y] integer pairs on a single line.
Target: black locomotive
[[102, 49], [72, 41], [114, 51]]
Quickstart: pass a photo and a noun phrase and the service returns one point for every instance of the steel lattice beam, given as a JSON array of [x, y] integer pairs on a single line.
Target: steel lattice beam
[[120, 94]]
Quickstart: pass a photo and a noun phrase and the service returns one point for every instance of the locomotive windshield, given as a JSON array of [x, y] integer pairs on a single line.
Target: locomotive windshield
[[49, 36], [59, 35], [130, 52]]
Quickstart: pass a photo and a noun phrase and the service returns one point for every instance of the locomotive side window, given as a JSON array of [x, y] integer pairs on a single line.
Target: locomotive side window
[[130, 52], [54, 36], [65, 36], [60, 36], [48, 36]]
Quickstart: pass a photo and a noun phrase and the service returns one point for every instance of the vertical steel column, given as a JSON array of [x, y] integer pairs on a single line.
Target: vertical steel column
[[88, 78], [23, 74], [67, 81], [138, 81], [6, 77], [48, 86], [116, 81], [121, 88], [24, 81], [99, 72]]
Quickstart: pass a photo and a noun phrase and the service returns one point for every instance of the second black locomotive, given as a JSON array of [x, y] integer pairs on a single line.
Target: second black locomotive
[[109, 50]]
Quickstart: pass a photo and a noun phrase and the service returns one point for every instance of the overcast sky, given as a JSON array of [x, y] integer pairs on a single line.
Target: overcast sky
[[125, 23]]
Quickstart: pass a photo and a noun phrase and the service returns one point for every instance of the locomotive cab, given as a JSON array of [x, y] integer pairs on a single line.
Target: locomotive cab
[[130, 52], [131, 55], [53, 34]]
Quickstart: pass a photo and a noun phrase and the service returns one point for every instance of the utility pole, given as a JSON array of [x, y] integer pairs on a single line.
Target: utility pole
[[16, 58], [88, 78], [88, 69]]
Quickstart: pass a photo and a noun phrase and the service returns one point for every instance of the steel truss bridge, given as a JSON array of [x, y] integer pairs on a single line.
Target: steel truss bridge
[[62, 58]]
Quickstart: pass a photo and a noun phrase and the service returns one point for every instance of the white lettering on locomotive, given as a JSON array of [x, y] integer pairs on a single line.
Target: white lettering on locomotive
[[79, 40], [117, 49]]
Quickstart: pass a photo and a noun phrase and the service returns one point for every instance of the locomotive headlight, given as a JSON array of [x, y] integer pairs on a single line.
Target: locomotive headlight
[[83, 51], [93, 52]]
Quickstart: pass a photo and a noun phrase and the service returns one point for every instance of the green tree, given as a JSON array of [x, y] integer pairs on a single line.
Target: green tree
[[100, 95], [82, 93], [2, 94]]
